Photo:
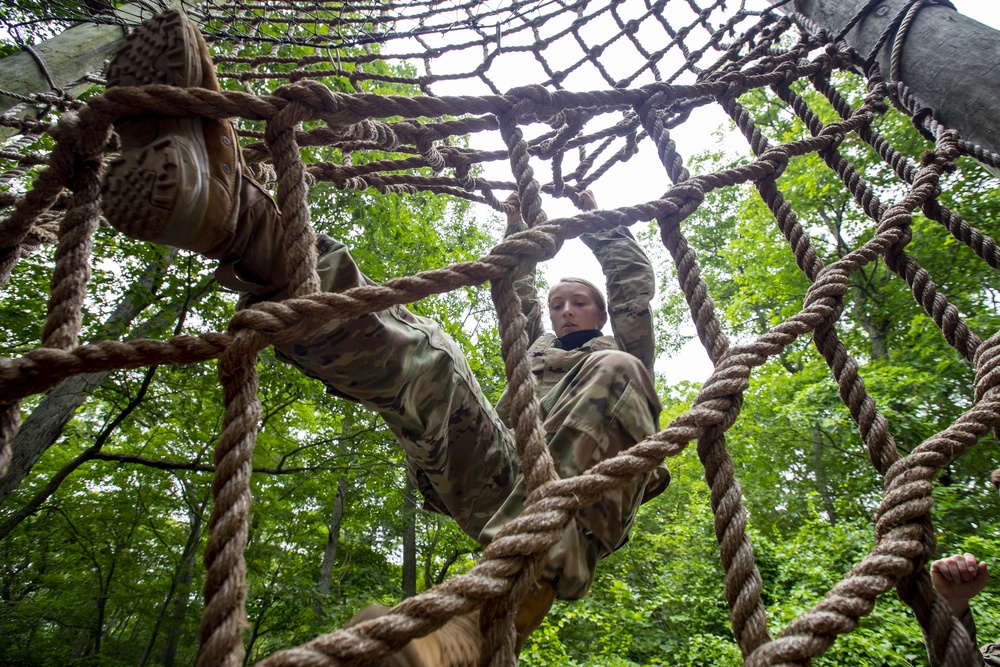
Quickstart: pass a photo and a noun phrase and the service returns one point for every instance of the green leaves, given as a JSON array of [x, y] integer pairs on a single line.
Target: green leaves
[[809, 488]]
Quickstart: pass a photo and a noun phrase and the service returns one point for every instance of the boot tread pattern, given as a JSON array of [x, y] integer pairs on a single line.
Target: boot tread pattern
[[161, 51], [156, 181]]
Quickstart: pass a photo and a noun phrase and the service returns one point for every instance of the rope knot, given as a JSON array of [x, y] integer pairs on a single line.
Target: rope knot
[[841, 55], [316, 96], [736, 85], [789, 71], [382, 134], [877, 88], [463, 169], [830, 283], [777, 156], [878, 106], [895, 216], [930, 157], [434, 159], [536, 94], [836, 133]]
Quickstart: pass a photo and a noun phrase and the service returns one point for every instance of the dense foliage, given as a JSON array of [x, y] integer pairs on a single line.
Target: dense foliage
[[100, 544]]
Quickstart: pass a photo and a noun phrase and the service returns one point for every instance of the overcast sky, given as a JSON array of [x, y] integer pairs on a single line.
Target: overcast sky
[[635, 181], [640, 179]]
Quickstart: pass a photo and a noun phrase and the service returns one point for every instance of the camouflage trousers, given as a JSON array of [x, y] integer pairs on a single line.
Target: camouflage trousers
[[459, 452]]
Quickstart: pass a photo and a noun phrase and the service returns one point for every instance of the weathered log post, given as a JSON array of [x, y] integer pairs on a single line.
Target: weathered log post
[[69, 56], [950, 62]]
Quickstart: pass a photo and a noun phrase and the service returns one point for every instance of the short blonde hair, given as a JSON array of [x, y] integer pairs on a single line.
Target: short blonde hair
[[602, 305]]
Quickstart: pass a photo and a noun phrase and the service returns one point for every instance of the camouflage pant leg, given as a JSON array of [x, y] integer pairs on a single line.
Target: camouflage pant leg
[[991, 655], [604, 405], [459, 453]]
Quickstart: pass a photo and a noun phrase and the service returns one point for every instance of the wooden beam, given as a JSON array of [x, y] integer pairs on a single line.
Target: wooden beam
[[71, 55], [951, 62]]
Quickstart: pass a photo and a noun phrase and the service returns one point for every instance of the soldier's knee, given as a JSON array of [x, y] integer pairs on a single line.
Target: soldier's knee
[[617, 363], [614, 368]]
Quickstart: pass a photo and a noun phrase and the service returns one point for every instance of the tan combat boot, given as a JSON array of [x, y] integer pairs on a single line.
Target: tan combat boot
[[180, 181], [459, 642], [532, 610], [455, 644]]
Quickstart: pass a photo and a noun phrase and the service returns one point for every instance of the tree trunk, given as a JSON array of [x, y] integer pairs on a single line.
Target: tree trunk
[[105, 585], [46, 422], [180, 586], [869, 307], [819, 471], [183, 594], [429, 551], [44, 425], [330, 551], [15, 519], [409, 541], [71, 55], [949, 61], [102, 605]]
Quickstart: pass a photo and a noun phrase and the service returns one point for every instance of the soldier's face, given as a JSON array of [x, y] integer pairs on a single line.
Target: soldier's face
[[572, 308]]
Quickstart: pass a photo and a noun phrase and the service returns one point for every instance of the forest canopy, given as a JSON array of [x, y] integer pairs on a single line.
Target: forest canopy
[[103, 528]]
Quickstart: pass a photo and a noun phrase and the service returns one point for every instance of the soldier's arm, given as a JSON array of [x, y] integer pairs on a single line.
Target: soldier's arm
[[631, 285], [525, 285]]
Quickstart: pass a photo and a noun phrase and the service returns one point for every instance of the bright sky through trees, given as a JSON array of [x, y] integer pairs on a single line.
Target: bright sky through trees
[[643, 178]]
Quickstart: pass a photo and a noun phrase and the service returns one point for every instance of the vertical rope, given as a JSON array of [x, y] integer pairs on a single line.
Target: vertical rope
[[299, 237], [497, 618], [224, 617]]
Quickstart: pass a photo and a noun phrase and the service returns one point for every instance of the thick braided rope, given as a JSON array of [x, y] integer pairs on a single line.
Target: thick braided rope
[[72, 268], [497, 617], [900, 550], [299, 238], [59, 173], [224, 617], [743, 581], [72, 258], [715, 409], [42, 368]]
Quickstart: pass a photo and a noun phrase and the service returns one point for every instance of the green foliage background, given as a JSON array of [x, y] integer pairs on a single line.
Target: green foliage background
[[104, 569]]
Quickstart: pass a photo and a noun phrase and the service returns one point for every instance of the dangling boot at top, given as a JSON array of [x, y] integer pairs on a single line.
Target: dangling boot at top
[[180, 181]]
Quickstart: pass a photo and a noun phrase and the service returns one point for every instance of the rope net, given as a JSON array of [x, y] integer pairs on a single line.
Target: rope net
[[408, 96]]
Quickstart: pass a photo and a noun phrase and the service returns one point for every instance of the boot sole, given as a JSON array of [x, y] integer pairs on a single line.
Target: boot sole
[[160, 181]]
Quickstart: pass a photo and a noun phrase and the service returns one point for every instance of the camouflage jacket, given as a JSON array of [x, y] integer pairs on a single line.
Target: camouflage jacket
[[630, 287], [630, 284]]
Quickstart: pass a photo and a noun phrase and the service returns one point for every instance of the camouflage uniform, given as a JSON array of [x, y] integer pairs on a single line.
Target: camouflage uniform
[[597, 401]]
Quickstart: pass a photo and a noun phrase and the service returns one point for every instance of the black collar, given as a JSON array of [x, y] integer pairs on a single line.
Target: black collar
[[577, 339]]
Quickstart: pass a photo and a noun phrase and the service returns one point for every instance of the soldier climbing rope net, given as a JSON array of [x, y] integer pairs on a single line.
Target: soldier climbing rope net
[[655, 64]]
